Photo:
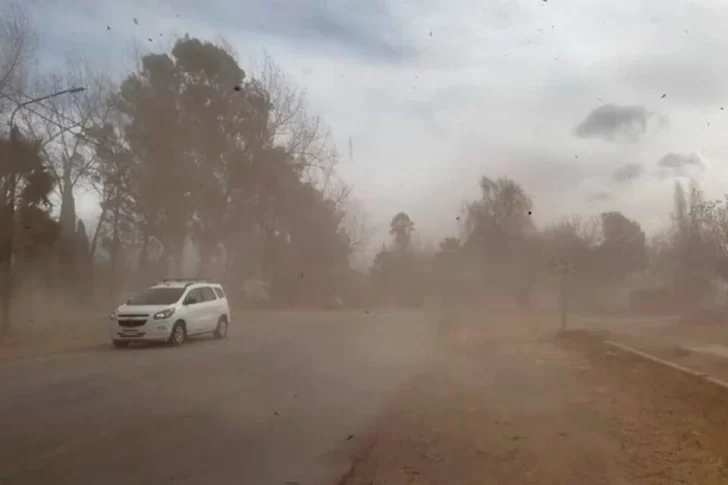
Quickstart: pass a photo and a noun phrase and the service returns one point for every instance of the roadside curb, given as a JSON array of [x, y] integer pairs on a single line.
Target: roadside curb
[[666, 363]]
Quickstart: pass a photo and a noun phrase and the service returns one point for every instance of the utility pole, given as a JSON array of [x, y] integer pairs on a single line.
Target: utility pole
[[562, 300], [10, 248], [563, 269], [9, 280]]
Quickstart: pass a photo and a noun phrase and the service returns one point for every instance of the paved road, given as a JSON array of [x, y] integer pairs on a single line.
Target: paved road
[[272, 404]]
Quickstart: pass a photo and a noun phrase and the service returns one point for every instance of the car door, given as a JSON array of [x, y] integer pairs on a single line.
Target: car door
[[195, 311], [210, 308]]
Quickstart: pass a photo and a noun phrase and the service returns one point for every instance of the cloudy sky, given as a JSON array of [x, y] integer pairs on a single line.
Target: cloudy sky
[[590, 105]]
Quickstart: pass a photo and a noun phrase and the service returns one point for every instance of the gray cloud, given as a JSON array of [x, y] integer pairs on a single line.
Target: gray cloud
[[679, 165], [601, 196], [372, 34], [689, 81], [369, 29], [627, 172], [680, 161], [611, 122]]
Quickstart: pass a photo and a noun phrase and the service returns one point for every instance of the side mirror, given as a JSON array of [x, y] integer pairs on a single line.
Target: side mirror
[[189, 301]]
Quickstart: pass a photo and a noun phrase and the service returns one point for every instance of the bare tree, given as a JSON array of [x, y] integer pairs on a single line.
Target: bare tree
[[69, 153], [17, 42], [357, 227], [292, 125]]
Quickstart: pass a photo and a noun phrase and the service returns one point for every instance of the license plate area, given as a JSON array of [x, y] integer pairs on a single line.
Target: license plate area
[[131, 335]]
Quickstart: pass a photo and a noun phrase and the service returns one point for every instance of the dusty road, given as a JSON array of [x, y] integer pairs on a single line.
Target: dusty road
[[506, 408], [275, 403]]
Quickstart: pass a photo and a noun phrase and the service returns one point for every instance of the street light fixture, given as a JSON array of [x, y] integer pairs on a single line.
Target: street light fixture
[[10, 255], [75, 90]]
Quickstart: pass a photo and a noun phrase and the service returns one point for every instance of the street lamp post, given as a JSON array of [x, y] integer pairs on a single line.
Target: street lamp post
[[13, 185]]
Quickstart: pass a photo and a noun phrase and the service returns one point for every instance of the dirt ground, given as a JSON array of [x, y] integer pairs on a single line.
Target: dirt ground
[[508, 408], [64, 333], [671, 340]]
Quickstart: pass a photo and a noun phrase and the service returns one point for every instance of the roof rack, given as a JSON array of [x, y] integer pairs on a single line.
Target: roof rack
[[187, 281], [183, 279]]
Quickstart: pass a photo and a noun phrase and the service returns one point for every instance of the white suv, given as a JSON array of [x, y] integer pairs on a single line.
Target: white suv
[[171, 311]]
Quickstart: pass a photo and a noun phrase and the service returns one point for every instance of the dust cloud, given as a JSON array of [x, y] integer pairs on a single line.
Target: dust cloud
[[193, 163], [379, 193]]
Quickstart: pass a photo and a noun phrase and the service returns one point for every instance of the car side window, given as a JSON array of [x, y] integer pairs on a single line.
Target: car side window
[[194, 296], [219, 292], [208, 294]]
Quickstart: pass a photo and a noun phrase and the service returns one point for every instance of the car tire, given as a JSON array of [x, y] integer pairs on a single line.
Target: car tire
[[222, 328], [119, 344], [178, 335]]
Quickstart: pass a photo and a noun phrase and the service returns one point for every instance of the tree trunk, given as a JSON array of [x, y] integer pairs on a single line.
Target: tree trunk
[[115, 253], [174, 262], [9, 283], [144, 254], [97, 232], [204, 251]]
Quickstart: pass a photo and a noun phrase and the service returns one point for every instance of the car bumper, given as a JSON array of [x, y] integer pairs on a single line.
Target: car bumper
[[154, 331]]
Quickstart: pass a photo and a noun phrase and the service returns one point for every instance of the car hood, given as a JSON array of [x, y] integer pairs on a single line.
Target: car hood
[[140, 310]]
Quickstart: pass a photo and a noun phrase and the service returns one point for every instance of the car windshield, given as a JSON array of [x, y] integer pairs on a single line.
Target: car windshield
[[157, 296]]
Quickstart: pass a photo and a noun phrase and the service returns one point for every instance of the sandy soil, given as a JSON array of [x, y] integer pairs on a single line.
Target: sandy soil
[[504, 408]]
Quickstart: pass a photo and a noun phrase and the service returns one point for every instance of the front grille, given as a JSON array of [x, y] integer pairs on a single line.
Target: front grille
[[131, 335], [131, 323]]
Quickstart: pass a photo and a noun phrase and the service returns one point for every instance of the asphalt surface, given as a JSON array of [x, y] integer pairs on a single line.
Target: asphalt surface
[[285, 399]]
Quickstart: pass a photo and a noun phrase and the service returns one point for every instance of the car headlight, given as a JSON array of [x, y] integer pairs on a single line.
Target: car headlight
[[164, 314]]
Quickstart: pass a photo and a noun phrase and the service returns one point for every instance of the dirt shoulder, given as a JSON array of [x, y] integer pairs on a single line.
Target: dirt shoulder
[[61, 334], [701, 347], [19, 350], [510, 409]]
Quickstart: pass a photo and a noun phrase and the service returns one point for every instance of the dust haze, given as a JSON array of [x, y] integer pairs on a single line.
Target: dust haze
[[194, 160], [376, 188]]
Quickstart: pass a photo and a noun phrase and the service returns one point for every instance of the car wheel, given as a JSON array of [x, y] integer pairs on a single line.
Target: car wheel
[[178, 335], [222, 328], [120, 344]]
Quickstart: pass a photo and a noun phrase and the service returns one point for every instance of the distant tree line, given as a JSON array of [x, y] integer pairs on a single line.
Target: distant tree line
[[501, 255]]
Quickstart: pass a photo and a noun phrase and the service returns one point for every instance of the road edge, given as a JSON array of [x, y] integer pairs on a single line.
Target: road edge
[[609, 342], [360, 456], [644, 355], [20, 357]]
